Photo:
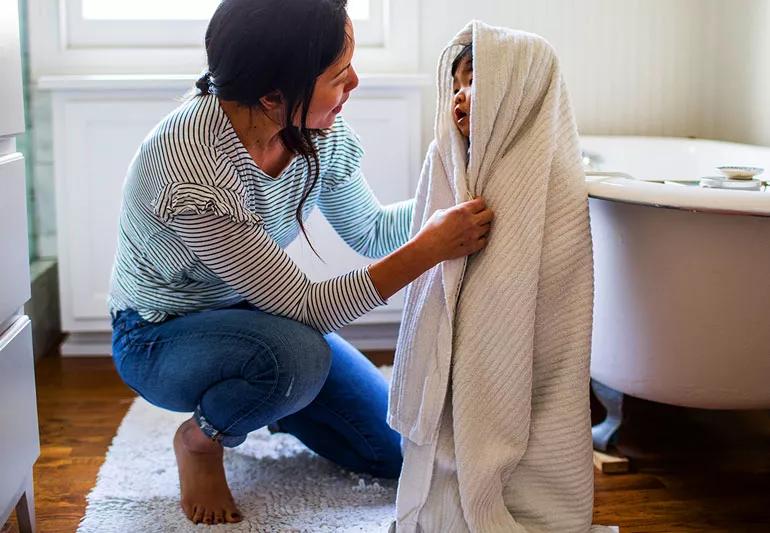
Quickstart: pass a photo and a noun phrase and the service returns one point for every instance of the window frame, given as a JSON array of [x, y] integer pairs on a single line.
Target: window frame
[[142, 34], [52, 55]]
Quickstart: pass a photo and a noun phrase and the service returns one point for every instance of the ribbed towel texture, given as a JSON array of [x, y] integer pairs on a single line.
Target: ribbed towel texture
[[491, 378]]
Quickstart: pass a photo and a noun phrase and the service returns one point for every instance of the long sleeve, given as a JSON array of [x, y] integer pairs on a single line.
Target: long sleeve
[[202, 227], [371, 229], [349, 204], [205, 208], [247, 259]]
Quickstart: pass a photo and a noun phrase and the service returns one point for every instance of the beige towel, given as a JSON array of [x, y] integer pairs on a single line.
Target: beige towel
[[490, 384]]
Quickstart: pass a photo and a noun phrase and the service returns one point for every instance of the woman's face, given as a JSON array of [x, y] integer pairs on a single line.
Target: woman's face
[[333, 87]]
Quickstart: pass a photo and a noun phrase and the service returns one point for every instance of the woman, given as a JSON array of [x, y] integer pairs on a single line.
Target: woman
[[209, 314]]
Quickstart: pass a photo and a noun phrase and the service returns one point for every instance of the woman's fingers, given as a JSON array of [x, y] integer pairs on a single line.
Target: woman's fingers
[[476, 205], [480, 244], [484, 217], [483, 231]]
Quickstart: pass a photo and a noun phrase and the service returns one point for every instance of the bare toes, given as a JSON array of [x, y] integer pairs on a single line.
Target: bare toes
[[198, 515], [219, 516], [233, 517]]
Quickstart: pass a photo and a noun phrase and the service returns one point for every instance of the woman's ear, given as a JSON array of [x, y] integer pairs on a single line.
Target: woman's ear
[[271, 101]]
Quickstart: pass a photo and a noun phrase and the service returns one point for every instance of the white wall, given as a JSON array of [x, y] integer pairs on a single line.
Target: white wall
[[644, 67], [746, 94], [739, 49]]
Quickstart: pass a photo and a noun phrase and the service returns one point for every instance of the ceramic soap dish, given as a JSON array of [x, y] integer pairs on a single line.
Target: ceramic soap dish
[[740, 173]]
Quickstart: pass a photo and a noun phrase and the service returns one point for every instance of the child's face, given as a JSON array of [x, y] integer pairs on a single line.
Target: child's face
[[461, 111]]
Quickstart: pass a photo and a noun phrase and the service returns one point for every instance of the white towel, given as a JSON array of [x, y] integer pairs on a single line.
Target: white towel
[[500, 343]]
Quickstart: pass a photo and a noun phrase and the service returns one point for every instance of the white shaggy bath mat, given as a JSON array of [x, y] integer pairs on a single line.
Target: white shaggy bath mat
[[279, 485]]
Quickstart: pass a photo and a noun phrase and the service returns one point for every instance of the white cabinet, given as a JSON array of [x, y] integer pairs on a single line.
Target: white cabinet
[[99, 124], [14, 281], [19, 440], [11, 104]]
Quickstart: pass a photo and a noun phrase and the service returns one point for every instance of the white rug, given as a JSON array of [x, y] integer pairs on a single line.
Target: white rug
[[278, 484]]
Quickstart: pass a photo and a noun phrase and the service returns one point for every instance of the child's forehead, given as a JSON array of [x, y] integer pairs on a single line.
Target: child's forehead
[[464, 67]]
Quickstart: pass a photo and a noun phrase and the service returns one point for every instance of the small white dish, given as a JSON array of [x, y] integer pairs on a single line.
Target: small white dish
[[720, 182], [741, 173]]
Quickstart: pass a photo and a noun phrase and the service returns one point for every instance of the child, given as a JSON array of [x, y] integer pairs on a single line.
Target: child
[[462, 76], [491, 373]]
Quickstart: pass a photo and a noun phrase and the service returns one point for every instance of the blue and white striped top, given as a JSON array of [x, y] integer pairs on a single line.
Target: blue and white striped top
[[203, 227]]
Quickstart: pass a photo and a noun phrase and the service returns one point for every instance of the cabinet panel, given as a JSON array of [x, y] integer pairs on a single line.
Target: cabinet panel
[[20, 442], [95, 140], [11, 102], [14, 246]]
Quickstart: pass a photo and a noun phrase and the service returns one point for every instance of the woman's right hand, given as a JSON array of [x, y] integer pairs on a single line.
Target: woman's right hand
[[457, 231]]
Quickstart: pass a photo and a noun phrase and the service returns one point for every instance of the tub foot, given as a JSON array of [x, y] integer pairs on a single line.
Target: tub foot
[[612, 401]]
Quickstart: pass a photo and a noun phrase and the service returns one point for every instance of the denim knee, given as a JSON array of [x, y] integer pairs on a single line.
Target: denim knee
[[289, 366], [302, 359], [312, 359]]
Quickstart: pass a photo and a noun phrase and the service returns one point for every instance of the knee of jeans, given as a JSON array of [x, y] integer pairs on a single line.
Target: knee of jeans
[[313, 361], [301, 363]]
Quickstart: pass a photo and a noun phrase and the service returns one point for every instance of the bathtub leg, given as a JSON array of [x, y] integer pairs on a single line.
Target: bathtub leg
[[612, 400]]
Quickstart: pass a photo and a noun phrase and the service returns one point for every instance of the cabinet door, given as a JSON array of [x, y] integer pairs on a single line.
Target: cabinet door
[[19, 440], [14, 246], [95, 140], [11, 102]]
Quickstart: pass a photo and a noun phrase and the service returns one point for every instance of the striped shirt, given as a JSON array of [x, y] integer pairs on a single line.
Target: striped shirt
[[203, 227]]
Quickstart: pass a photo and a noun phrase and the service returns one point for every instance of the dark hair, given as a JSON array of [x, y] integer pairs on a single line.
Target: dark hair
[[467, 51], [256, 47]]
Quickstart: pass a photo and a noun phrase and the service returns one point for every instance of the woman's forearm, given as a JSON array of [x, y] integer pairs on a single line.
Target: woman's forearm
[[395, 271]]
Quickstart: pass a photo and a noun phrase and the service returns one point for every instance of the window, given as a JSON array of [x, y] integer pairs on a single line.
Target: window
[[177, 23], [151, 37]]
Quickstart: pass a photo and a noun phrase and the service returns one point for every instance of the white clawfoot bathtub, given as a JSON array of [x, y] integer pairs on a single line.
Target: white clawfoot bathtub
[[682, 303]]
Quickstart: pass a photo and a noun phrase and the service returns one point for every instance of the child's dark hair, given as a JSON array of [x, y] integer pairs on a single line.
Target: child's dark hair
[[467, 51]]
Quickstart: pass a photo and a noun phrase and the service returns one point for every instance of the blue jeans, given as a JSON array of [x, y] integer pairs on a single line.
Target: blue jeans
[[239, 369]]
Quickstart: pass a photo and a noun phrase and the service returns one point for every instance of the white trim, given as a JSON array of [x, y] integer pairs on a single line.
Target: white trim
[[182, 82], [83, 33], [50, 53], [371, 33], [362, 336]]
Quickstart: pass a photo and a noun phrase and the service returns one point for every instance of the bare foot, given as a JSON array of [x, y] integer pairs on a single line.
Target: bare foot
[[206, 498]]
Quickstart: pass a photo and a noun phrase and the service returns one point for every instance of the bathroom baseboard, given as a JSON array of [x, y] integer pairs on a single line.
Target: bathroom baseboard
[[362, 336]]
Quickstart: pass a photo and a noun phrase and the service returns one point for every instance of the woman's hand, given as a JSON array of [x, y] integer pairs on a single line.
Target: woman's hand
[[449, 233], [456, 232]]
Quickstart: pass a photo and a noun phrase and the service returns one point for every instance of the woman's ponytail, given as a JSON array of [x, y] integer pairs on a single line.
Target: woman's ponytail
[[204, 84]]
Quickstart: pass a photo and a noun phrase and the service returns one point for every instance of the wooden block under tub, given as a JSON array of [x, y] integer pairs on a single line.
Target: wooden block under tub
[[611, 464]]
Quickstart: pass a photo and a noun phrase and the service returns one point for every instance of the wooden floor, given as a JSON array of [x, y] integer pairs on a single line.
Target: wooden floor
[[698, 471]]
